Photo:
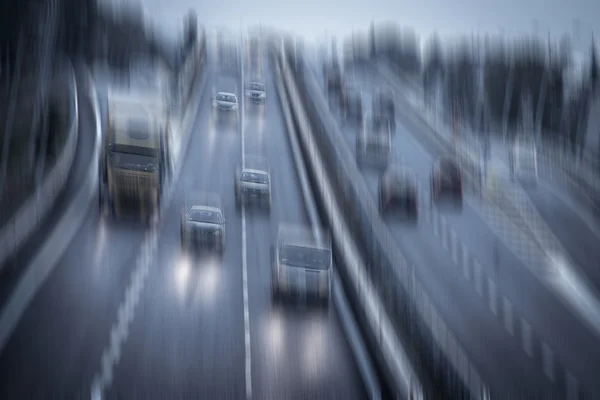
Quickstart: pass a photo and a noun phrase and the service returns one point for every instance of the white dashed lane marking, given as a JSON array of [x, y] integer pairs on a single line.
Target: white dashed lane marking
[[509, 322], [478, 277], [454, 246], [493, 296], [572, 386], [548, 361], [125, 315], [527, 337]]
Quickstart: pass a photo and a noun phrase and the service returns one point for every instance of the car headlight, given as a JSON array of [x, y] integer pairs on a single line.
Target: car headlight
[[218, 232], [234, 107]]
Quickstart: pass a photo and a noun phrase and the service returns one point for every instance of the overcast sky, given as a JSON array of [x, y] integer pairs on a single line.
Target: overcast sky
[[312, 18]]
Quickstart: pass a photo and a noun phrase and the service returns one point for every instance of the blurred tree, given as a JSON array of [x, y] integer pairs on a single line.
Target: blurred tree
[[190, 29], [433, 66]]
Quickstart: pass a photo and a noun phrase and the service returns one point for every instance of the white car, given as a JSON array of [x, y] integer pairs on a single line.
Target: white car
[[203, 224], [301, 264], [226, 106], [253, 186], [524, 164]]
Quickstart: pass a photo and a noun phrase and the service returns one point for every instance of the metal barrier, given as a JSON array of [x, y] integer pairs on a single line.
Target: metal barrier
[[442, 365], [28, 218]]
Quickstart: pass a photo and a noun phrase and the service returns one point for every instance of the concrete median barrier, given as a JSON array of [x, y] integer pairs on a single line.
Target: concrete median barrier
[[415, 349]]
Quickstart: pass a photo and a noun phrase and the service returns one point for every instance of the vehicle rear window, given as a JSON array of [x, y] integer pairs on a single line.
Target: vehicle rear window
[[305, 257], [227, 97], [205, 216], [256, 86], [253, 177]]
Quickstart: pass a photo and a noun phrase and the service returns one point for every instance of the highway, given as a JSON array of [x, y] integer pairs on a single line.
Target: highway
[[186, 334], [520, 336]]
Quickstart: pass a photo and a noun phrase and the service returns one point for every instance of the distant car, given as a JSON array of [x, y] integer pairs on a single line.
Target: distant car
[[384, 106], [225, 106], [334, 80], [446, 180], [256, 92], [398, 191], [203, 224], [374, 142], [253, 186], [352, 102], [301, 264], [524, 166]]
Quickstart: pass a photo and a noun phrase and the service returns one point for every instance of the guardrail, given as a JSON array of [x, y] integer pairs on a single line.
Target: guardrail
[[27, 219], [382, 335], [440, 362]]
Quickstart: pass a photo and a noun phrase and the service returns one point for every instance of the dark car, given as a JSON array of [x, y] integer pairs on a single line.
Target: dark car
[[203, 223], [446, 180], [352, 102], [398, 191], [384, 106]]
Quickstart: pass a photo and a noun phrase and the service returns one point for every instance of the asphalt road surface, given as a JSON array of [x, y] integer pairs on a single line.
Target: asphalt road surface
[[520, 336], [186, 337]]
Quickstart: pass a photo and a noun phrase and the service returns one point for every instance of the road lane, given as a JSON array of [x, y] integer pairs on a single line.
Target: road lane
[[188, 334], [297, 351], [501, 305]]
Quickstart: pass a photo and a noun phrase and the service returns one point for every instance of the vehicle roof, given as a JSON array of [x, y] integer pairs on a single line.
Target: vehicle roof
[[447, 161], [205, 208], [255, 83], [398, 173], [227, 94], [140, 129], [297, 235], [255, 171]]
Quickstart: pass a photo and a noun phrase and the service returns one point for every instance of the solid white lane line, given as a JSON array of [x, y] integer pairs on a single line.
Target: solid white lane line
[[248, 367], [465, 261]]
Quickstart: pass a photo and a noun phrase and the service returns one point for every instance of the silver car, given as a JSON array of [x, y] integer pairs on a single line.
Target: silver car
[[203, 225], [256, 92], [253, 186], [374, 143], [225, 106], [301, 264]]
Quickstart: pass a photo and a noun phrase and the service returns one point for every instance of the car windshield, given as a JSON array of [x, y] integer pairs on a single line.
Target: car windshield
[[205, 216], [256, 86], [226, 97], [305, 257]]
